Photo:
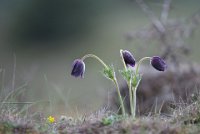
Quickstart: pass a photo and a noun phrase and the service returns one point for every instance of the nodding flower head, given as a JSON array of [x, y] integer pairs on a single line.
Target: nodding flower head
[[158, 63], [128, 58], [78, 68]]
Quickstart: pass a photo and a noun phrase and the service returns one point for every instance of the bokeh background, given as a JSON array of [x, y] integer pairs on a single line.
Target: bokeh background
[[40, 39]]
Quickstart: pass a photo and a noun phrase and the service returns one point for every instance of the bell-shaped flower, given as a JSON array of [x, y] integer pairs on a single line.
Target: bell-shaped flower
[[78, 68], [158, 63], [128, 58]]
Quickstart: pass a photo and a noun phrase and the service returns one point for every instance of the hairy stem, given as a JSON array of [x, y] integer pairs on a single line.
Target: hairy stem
[[96, 57], [131, 97], [114, 80], [134, 102], [140, 61], [134, 89], [120, 97], [129, 83], [123, 59]]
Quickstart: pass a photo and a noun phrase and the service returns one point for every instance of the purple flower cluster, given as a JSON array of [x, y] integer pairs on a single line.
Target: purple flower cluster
[[157, 62], [78, 66]]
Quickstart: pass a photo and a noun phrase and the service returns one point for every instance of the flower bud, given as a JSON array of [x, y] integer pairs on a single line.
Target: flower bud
[[78, 68], [158, 63], [128, 58]]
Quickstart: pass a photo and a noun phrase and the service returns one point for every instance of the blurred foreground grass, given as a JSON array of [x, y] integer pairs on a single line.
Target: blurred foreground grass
[[185, 119]]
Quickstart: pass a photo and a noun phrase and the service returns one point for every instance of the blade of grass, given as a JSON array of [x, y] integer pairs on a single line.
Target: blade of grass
[[12, 93]]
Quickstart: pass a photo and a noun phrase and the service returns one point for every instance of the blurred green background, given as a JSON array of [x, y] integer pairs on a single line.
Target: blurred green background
[[46, 36]]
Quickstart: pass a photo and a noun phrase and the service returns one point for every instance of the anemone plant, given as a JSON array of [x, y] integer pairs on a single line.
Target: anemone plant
[[78, 69], [132, 76]]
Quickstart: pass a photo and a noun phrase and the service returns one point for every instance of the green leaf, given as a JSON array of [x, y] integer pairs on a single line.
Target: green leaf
[[136, 80], [127, 74], [108, 120], [109, 72], [111, 119]]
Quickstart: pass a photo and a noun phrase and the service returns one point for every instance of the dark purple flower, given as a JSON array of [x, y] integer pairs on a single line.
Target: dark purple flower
[[158, 63], [78, 68], [128, 58]]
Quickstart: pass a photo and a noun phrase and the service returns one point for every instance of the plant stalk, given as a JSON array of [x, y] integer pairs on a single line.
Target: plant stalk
[[134, 102], [140, 61], [114, 80], [120, 97], [129, 83], [96, 57], [131, 97]]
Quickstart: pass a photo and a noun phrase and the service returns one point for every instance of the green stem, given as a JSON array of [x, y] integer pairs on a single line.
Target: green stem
[[134, 102], [135, 88], [96, 57], [123, 59], [120, 97], [131, 97], [140, 61], [114, 80], [129, 85]]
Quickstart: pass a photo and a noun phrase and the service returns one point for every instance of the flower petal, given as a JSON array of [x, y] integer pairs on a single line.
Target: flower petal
[[158, 63], [78, 68], [128, 58]]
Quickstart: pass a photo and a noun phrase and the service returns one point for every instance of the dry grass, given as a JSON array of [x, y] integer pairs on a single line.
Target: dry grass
[[184, 120]]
